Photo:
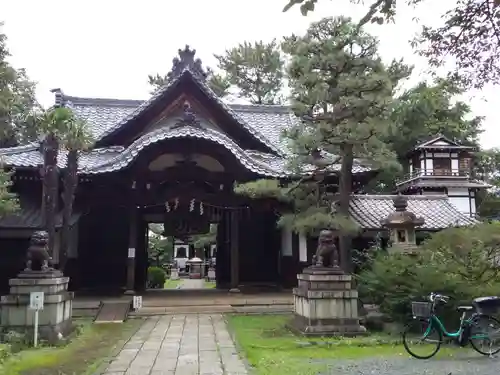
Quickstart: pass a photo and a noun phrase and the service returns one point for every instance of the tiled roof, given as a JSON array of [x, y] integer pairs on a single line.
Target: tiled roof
[[29, 156], [186, 74], [431, 143], [30, 217], [437, 211], [124, 158], [104, 115]]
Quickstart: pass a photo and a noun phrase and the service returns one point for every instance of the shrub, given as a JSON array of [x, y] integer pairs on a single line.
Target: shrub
[[5, 352], [156, 277], [457, 262]]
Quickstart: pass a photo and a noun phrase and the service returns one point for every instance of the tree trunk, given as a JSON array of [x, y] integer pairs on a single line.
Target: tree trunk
[[50, 194], [345, 189], [70, 184]]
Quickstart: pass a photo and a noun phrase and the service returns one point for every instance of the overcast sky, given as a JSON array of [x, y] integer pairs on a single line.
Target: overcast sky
[[107, 48]]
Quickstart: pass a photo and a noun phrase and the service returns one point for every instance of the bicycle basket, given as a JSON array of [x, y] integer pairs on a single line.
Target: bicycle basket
[[421, 309]]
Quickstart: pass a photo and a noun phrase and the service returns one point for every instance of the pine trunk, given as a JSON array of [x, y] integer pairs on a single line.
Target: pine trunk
[[70, 184], [345, 189]]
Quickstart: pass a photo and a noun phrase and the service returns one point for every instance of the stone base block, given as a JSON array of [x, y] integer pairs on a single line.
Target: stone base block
[[55, 317], [325, 303], [326, 327]]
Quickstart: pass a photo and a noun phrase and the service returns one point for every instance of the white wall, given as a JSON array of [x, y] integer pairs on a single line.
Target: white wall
[[459, 197], [302, 248], [286, 242]]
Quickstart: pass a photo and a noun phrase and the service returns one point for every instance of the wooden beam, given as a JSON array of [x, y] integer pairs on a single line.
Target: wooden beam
[[234, 246]]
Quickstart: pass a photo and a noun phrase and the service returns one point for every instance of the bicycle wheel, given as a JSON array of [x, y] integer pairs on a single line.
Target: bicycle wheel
[[485, 334], [421, 339]]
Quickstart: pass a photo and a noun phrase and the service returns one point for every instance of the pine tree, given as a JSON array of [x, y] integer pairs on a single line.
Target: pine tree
[[344, 94], [256, 70]]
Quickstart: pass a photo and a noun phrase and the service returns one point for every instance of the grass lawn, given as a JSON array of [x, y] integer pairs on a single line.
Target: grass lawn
[[171, 284], [272, 349], [210, 284], [82, 356]]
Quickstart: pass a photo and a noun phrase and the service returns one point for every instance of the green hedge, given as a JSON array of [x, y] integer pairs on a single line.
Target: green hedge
[[156, 277], [458, 262]]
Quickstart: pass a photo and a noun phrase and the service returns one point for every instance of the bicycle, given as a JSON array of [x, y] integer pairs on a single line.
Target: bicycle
[[477, 329]]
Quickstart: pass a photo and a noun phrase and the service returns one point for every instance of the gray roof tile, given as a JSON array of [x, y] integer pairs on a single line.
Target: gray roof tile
[[29, 156], [30, 217], [437, 211], [130, 115], [124, 158]]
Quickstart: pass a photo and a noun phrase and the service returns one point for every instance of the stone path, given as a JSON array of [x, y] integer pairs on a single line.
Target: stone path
[[179, 345], [192, 284]]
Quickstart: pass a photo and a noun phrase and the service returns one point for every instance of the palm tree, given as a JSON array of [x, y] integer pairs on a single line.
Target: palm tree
[[62, 128]]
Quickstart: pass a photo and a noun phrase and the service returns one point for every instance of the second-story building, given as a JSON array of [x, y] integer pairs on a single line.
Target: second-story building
[[441, 166]]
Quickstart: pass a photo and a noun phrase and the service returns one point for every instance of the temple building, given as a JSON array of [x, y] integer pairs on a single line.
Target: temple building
[[440, 166], [174, 159]]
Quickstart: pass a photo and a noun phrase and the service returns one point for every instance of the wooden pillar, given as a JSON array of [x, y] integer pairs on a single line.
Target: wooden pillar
[[234, 246], [132, 243]]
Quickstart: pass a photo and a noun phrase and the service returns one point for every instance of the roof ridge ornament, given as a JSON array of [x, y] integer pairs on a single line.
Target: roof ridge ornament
[[59, 97], [188, 117], [186, 61]]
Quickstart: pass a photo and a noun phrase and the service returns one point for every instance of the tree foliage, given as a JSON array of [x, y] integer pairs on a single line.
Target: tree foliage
[[218, 83], [456, 261], [469, 33], [200, 241], [344, 94], [429, 109], [422, 112], [17, 97], [487, 169], [74, 136], [255, 69], [8, 200], [160, 249]]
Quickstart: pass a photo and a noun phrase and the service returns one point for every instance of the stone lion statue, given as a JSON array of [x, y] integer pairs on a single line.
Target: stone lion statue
[[38, 258], [327, 254]]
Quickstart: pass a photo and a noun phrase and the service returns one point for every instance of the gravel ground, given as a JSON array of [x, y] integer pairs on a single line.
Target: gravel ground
[[462, 364]]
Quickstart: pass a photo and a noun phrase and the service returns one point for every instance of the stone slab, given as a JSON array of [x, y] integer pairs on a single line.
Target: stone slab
[[180, 345], [37, 281]]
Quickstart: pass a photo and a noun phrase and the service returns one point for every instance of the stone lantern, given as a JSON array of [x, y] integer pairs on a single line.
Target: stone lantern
[[196, 268], [401, 225]]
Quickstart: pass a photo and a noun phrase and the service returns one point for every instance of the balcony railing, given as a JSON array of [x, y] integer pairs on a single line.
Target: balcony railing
[[443, 172]]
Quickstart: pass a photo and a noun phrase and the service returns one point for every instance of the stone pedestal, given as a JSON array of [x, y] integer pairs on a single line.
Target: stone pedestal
[[196, 268], [55, 318], [325, 303], [211, 274], [174, 274]]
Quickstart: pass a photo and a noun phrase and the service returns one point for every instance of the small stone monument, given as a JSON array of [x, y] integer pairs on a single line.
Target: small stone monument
[[38, 276], [174, 271], [325, 304], [195, 268], [211, 272], [401, 225]]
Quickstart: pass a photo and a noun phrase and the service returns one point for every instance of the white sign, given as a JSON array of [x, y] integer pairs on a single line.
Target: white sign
[[137, 302], [131, 252], [36, 301]]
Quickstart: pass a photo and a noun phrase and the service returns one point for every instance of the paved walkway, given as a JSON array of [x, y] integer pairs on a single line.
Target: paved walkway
[[192, 284], [179, 345]]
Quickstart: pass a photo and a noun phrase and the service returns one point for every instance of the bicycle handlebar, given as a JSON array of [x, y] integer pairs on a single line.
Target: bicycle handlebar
[[435, 297]]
